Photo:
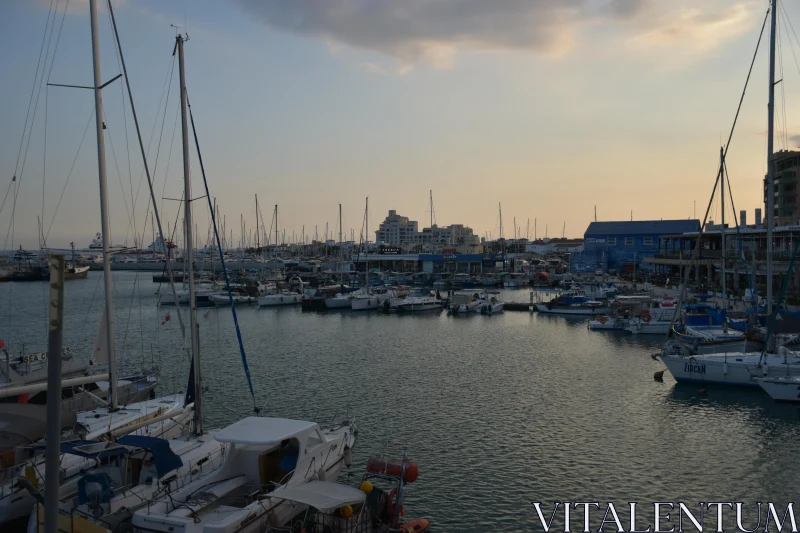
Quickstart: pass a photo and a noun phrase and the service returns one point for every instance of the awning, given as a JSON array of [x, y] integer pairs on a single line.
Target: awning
[[323, 495]]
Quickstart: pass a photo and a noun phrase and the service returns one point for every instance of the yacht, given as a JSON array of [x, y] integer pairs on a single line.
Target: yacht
[[285, 297], [263, 455], [465, 301], [491, 305], [366, 300], [163, 417], [143, 468], [730, 368], [781, 388], [573, 303], [656, 319]]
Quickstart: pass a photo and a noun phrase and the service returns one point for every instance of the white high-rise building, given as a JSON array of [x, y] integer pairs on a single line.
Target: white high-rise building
[[396, 230], [399, 231]]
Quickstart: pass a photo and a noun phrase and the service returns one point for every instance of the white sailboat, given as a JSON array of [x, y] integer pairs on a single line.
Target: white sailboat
[[743, 369], [262, 454], [163, 416]]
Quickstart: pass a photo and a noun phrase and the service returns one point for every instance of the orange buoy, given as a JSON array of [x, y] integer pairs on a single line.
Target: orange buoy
[[393, 467], [659, 376], [415, 526]]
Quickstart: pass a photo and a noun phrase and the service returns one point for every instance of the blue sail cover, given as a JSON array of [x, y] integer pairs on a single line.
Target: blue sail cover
[[164, 458]]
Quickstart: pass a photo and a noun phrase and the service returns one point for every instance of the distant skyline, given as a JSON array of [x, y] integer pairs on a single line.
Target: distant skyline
[[548, 107]]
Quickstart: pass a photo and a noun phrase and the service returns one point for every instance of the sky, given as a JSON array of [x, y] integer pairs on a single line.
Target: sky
[[551, 108]]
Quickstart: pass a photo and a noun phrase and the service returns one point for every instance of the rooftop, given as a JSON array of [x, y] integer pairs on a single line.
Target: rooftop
[[642, 227], [262, 430]]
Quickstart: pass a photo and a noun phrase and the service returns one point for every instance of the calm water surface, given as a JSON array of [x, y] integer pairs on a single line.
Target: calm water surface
[[498, 411]]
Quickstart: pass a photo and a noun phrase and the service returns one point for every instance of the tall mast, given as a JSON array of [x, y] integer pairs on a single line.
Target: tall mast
[[105, 229], [431, 208], [276, 230], [770, 148], [258, 239], [187, 187], [724, 250], [341, 256], [500, 208]]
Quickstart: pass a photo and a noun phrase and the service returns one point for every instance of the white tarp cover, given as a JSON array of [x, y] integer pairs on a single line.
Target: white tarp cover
[[262, 430], [323, 495]]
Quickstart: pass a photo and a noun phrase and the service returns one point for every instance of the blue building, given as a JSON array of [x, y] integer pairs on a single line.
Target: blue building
[[620, 245]]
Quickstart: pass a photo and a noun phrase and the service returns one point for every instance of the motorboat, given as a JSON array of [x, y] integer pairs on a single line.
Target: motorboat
[[656, 319], [572, 303], [465, 301], [491, 305], [285, 297], [264, 454], [369, 300]]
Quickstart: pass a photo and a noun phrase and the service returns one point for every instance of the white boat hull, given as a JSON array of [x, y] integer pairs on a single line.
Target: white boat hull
[[338, 302], [470, 307], [16, 502], [607, 324], [576, 311], [782, 389], [416, 307], [738, 369], [491, 309], [640, 327], [271, 300]]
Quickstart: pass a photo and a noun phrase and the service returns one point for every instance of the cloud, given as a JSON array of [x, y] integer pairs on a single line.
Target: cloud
[[700, 30], [427, 31], [432, 32]]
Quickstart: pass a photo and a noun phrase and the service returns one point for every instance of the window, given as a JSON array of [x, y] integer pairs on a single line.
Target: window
[[589, 239], [648, 241], [628, 241], [612, 241]]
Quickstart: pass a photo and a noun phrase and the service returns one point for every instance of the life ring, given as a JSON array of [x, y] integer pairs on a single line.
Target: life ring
[[646, 316], [601, 319], [616, 304]]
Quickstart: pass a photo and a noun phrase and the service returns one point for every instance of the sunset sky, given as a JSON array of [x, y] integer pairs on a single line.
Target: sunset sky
[[550, 107]]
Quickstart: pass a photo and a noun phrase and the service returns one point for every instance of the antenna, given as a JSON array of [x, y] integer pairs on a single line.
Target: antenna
[[595, 213]]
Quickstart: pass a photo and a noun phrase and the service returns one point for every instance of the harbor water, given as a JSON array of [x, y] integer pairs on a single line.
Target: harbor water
[[499, 411]]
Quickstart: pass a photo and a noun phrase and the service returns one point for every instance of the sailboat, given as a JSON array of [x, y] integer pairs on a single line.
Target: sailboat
[[263, 454], [367, 298], [736, 368], [340, 300], [164, 416]]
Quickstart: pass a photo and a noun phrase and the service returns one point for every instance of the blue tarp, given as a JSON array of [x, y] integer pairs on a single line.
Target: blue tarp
[[164, 458]]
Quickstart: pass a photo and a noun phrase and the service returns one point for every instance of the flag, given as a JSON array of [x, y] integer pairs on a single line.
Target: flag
[[166, 319], [2, 344], [206, 315]]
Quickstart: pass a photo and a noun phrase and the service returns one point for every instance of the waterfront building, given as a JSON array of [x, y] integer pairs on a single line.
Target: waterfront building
[[787, 201], [557, 246], [400, 231], [620, 245], [396, 230]]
